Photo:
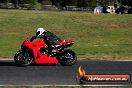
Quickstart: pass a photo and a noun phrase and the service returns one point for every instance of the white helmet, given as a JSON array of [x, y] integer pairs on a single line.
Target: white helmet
[[40, 31]]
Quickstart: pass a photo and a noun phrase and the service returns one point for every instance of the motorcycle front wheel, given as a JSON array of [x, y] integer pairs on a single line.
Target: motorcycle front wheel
[[68, 58], [23, 58]]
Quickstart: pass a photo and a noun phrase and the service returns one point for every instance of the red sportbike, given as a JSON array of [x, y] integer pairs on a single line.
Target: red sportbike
[[38, 52]]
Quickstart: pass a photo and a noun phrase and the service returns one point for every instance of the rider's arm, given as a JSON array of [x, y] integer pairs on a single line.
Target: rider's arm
[[34, 37]]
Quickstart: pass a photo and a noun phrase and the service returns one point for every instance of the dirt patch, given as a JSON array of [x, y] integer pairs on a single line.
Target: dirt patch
[[114, 25]]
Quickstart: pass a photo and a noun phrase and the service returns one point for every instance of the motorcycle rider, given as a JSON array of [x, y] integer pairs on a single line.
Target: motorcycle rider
[[49, 38]]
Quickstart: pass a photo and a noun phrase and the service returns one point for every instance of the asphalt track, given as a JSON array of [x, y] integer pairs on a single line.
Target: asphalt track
[[10, 74]]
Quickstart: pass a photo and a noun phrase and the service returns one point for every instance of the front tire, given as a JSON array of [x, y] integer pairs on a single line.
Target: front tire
[[68, 58], [23, 58]]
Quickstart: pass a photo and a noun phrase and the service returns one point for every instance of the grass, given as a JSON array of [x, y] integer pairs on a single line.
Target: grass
[[102, 37]]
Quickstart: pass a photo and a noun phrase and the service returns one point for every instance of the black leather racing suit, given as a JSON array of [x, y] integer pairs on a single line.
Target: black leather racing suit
[[49, 38]]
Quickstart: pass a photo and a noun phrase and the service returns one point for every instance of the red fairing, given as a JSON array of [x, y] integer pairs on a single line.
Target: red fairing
[[65, 42], [39, 58]]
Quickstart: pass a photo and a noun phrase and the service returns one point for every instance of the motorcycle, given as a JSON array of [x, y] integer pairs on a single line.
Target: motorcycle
[[38, 52]]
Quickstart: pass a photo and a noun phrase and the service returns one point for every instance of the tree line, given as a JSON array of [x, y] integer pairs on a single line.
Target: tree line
[[63, 3]]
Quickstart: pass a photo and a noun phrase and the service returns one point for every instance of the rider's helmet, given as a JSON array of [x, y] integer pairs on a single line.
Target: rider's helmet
[[40, 32]]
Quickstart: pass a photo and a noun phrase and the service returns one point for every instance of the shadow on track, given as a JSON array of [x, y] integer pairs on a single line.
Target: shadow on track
[[11, 63], [7, 63]]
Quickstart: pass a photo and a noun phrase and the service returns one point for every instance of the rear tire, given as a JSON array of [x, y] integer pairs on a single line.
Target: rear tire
[[23, 58], [68, 58]]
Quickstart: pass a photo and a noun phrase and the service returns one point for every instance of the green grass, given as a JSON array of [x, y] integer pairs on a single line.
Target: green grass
[[103, 37]]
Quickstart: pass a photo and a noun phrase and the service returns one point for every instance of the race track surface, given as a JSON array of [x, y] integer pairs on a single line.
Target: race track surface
[[10, 74]]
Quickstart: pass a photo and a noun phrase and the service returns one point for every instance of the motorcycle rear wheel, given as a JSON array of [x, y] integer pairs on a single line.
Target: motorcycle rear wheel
[[23, 58], [68, 58]]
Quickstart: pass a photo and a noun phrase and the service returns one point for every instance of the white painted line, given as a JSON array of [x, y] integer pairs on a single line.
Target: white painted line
[[5, 59], [80, 60], [122, 60]]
